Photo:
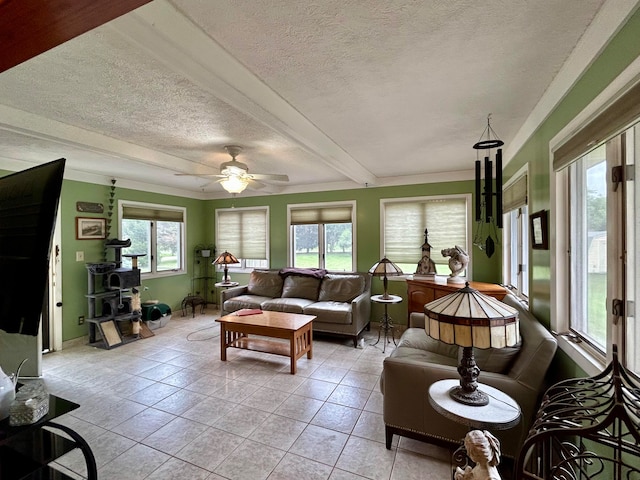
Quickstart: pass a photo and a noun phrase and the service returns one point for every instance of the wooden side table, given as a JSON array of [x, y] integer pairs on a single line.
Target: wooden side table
[[386, 323]]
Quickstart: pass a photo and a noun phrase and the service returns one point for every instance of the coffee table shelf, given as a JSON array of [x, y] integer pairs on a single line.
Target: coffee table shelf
[[296, 328]]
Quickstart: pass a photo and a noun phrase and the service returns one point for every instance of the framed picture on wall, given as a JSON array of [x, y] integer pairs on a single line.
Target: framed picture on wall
[[91, 228], [539, 227]]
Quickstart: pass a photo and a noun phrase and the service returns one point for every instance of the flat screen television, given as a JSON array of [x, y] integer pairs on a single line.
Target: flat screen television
[[28, 208]]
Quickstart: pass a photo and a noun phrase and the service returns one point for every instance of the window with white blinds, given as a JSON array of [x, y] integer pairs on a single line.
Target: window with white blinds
[[156, 231], [244, 232], [404, 222]]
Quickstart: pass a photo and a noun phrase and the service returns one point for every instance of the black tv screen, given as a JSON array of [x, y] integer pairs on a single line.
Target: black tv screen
[[28, 207]]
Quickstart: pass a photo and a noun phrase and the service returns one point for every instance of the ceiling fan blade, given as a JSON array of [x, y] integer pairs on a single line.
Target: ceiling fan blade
[[272, 178], [253, 185], [200, 175]]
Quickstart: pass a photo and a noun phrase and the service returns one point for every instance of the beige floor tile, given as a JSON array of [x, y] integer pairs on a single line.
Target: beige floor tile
[[336, 417], [134, 464], [294, 467], [252, 394], [250, 461], [320, 444], [279, 432], [199, 451], [367, 458]]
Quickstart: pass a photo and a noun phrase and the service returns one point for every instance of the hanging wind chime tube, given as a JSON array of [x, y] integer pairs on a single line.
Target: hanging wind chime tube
[[484, 197]]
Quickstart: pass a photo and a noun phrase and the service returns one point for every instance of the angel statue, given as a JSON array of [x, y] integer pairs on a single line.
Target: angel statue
[[457, 263], [484, 449]]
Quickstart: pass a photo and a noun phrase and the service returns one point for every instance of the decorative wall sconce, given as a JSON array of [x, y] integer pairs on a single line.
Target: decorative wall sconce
[[484, 197]]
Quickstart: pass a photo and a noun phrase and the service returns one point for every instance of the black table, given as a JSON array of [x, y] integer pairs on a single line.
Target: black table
[[26, 451]]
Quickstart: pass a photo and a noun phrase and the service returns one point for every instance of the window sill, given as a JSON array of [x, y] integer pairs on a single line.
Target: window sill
[[170, 273], [583, 355]]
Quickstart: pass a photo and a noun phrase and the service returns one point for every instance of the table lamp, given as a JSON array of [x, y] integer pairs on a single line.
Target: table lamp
[[384, 268], [225, 258], [469, 319]]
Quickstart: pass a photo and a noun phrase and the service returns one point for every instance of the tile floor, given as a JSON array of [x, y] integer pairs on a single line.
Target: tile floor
[[166, 407]]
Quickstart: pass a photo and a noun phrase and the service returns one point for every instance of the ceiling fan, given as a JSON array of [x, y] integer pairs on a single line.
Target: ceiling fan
[[234, 175]]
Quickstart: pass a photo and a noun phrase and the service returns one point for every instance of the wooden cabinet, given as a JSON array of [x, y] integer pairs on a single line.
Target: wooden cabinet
[[420, 292]]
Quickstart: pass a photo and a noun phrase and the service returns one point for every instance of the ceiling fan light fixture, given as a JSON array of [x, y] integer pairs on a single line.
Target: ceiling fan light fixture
[[234, 184]]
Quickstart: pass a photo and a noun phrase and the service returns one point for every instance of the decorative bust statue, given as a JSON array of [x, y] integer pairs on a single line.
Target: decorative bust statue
[[457, 263], [484, 449], [426, 266]]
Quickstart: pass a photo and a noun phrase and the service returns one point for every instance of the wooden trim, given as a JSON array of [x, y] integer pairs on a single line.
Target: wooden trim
[[30, 27]]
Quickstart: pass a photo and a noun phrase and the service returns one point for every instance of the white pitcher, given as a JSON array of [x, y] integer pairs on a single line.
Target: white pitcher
[[8, 390]]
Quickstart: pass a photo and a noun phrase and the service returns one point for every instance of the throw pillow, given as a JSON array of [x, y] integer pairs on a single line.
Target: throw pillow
[[340, 288]]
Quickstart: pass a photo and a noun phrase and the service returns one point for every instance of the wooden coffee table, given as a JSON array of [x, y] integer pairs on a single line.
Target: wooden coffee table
[[235, 331]]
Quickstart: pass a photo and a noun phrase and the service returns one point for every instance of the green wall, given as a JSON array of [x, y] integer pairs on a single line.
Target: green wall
[[621, 51], [169, 290], [367, 230]]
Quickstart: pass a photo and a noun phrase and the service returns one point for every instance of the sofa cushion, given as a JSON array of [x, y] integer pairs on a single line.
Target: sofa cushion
[[244, 301], [265, 284], [289, 305], [297, 286], [330, 312], [418, 339], [424, 356], [340, 288], [497, 360]]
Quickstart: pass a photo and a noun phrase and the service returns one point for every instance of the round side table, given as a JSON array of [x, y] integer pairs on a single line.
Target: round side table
[[385, 322], [501, 413]]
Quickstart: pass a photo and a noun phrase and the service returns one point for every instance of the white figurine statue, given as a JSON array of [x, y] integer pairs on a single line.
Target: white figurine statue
[[457, 263], [484, 449]]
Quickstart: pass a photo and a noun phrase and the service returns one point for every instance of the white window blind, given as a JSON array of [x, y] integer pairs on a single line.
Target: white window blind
[[321, 214], [242, 232], [515, 195], [141, 212], [405, 222]]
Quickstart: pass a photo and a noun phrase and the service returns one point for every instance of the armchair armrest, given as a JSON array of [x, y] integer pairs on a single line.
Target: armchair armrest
[[361, 309], [233, 292]]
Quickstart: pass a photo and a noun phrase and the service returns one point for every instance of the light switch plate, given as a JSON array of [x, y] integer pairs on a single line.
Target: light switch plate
[[79, 256]]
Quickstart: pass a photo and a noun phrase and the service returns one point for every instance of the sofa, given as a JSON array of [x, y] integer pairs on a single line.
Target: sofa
[[418, 361], [340, 301]]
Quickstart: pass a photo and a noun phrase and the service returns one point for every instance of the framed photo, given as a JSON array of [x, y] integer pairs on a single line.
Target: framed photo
[[539, 226], [91, 228]]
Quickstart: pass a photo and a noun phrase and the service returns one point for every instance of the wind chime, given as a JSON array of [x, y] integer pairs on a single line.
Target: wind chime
[[484, 196]]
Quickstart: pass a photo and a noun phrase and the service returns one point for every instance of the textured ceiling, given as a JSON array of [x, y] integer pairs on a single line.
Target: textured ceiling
[[335, 94]]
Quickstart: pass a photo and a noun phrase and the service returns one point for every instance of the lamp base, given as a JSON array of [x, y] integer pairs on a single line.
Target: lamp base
[[475, 398]]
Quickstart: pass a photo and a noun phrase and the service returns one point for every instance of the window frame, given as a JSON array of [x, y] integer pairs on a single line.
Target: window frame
[[586, 357], [426, 198], [154, 273], [242, 267], [352, 204], [522, 238]]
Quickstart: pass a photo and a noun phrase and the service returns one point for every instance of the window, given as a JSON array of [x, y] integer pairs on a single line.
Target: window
[[244, 232], [158, 232], [404, 221], [596, 269], [515, 236], [321, 236]]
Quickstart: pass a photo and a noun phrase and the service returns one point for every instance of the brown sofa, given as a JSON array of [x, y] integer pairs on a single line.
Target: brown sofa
[[340, 301], [419, 361]]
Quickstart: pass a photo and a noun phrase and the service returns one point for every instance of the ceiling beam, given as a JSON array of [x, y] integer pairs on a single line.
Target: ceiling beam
[[180, 45], [30, 27]]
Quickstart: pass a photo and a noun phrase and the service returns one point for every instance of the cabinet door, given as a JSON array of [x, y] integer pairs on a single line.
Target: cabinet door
[[419, 296]]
